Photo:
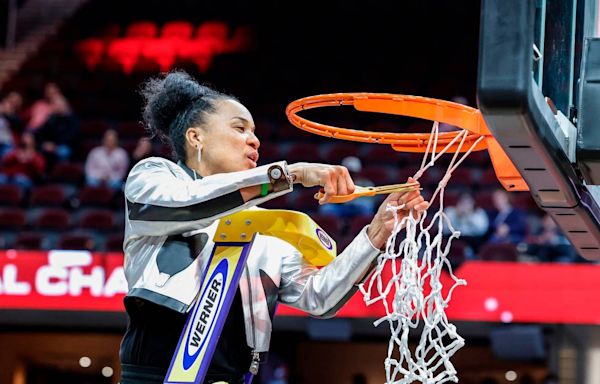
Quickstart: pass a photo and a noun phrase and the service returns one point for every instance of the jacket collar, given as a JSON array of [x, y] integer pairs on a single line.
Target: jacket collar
[[189, 171]]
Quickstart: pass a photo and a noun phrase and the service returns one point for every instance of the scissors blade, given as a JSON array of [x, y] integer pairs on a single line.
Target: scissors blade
[[369, 191]]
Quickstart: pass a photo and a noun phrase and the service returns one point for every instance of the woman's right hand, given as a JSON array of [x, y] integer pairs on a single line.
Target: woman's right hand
[[335, 179]]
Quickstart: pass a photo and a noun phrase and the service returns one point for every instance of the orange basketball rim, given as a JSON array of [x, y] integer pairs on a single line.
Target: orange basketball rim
[[458, 115]]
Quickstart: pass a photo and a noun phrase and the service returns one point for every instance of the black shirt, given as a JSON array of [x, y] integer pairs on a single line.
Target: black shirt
[[153, 333]]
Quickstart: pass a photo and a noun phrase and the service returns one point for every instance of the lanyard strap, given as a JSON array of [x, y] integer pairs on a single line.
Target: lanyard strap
[[206, 319]]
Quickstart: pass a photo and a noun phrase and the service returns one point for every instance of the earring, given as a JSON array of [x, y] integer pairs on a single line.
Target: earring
[[199, 148]]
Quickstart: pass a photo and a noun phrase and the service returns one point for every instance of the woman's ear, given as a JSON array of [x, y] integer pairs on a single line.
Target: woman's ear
[[194, 137]]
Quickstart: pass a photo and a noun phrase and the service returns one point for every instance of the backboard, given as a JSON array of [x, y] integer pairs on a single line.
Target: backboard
[[539, 91]]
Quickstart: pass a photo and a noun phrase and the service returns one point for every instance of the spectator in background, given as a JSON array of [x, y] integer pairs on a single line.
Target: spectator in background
[[58, 133], [142, 150], [23, 165], [362, 206], [41, 110], [10, 122], [550, 244], [107, 164], [471, 221], [508, 224], [10, 108]]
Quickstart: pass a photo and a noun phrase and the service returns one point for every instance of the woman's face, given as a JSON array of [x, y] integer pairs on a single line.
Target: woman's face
[[228, 141]]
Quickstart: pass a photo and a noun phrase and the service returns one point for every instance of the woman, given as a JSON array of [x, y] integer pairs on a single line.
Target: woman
[[172, 213]]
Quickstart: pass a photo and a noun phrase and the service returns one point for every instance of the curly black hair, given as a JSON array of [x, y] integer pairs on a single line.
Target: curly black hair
[[175, 102]]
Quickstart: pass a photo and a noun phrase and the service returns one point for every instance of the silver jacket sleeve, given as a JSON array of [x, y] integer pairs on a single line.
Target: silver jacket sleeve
[[321, 292], [163, 200]]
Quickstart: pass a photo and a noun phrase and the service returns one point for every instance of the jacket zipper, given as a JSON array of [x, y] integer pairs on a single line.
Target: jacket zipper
[[254, 365]]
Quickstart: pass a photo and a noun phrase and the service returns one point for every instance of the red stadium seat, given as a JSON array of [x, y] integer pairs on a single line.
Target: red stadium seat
[[29, 240], [160, 50], [462, 176], [111, 31], [12, 218], [303, 200], [200, 52], [488, 179], [242, 40], [269, 153], [179, 29], [483, 199], [96, 219], [114, 242], [75, 241], [381, 154], [451, 197], [10, 194], [55, 219], [524, 201], [498, 252], [131, 130], [478, 159], [125, 52], [217, 46], [402, 174], [47, 195], [70, 173], [144, 29], [303, 152], [95, 196], [146, 67], [91, 52], [288, 132], [338, 151], [94, 128], [379, 174], [216, 29]]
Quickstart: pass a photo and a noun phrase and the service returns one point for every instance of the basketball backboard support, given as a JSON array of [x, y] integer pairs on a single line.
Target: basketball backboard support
[[539, 91]]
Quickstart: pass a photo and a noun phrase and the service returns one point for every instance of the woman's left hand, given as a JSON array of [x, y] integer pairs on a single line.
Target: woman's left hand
[[383, 222]]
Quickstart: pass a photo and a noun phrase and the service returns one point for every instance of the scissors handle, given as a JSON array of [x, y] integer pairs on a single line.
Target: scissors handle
[[368, 191]]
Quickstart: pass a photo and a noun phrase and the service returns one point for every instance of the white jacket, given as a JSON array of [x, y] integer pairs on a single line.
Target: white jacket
[[170, 223]]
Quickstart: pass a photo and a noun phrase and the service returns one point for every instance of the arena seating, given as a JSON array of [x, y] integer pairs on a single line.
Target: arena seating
[[101, 72]]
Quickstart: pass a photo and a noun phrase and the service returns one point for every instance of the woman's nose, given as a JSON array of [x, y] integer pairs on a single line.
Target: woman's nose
[[253, 141]]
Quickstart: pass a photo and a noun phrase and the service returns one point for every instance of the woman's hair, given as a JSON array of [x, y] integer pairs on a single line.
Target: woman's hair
[[174, 103]]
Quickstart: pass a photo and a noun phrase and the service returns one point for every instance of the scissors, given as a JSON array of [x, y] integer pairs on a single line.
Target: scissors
[[369, 191]]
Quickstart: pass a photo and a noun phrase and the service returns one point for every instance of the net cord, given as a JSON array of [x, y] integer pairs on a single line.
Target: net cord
[[430, 363]]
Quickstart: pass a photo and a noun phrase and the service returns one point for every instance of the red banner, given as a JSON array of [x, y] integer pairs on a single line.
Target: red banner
[[62, 280], [508, 292]]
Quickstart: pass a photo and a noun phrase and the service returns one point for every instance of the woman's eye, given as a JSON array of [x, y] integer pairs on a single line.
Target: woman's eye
[[240, 128]]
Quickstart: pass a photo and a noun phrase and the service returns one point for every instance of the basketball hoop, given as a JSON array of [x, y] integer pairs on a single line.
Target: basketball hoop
[[417, 259], [469, 121]]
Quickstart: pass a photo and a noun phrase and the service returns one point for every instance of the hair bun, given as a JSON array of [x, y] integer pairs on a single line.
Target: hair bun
[[165, 98]]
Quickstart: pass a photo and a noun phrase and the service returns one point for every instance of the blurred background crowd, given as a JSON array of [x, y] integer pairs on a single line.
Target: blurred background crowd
[[55, 160]]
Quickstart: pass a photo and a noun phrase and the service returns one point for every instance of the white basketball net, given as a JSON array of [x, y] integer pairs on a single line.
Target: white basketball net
[[422, 256]]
